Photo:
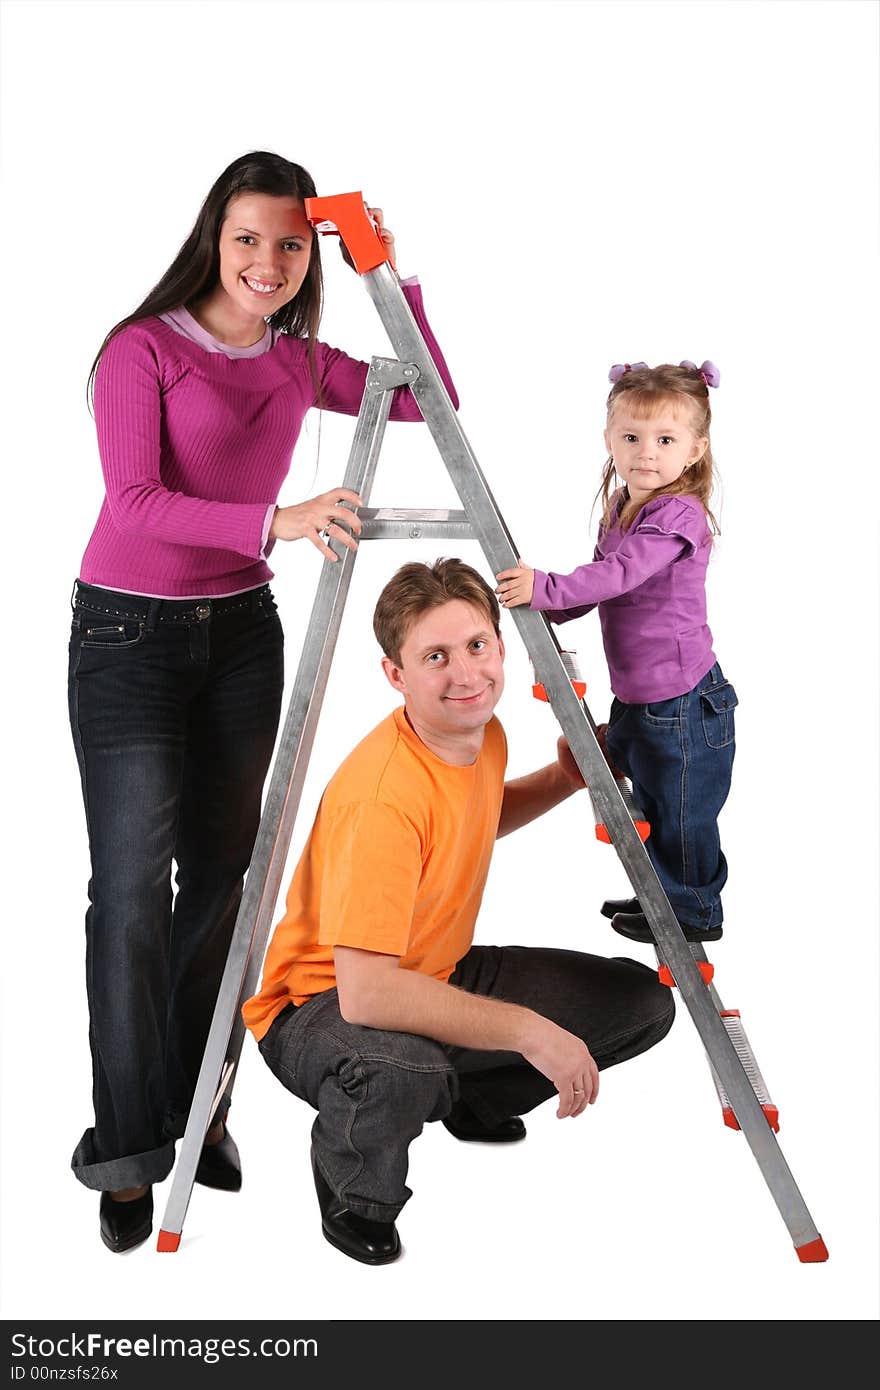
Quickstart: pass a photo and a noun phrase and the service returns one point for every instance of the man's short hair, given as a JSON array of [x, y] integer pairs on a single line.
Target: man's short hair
[[417, 587]]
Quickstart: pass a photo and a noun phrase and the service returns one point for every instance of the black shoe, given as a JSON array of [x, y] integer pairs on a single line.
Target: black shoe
[[464, 1124], [612, 906], [220, 1165], [371, 1242], [635, 926], [126, 1224]]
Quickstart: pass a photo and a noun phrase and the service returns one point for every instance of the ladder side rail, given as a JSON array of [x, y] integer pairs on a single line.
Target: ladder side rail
[[442, 420], [294, 750], [254, 919]]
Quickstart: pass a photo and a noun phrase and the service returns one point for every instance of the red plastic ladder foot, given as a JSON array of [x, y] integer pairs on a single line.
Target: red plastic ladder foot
[[813, 1253], [168, 1241]]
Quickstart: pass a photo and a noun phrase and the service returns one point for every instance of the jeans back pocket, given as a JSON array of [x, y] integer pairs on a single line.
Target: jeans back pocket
[[717, 705]]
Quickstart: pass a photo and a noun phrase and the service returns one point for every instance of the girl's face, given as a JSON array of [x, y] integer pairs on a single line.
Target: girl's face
[[651, 453], [265, 245]]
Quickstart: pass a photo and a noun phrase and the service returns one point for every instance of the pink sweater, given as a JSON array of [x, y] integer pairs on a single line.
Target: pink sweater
[[194, 448]]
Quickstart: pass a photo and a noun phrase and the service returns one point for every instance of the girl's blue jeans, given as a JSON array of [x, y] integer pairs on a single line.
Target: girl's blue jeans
[[678, 754]]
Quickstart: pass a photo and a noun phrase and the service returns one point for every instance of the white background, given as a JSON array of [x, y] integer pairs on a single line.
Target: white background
[[576, 184]]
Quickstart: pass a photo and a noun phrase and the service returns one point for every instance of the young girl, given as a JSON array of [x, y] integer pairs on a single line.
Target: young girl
[[671, 727], [176, 670]]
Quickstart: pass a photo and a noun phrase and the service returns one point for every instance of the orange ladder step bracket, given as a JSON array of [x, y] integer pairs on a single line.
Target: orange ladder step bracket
[[480, 519]]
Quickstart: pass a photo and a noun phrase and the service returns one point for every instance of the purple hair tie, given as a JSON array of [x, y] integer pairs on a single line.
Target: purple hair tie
[[621, 368], [708, 371]]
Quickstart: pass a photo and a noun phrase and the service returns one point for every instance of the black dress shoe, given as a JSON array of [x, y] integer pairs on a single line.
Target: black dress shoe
[[612, 906], [126, 1224], [635, 926], [464, 1124], [371, 1242], [220, 1165]]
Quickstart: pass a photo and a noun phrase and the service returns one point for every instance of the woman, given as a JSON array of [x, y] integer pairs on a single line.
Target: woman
[[176, 671]]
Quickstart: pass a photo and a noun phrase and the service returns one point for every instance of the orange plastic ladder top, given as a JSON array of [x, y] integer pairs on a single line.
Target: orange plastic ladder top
[[345, 215]]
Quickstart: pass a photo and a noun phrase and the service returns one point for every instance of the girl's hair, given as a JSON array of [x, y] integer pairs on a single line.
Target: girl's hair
[[646, 391], [195, 270]]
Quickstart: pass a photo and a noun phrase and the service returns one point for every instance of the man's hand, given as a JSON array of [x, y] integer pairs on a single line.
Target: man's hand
[[570, 769], [516, 586], [376, 992], [567, 1062], [601, 731]]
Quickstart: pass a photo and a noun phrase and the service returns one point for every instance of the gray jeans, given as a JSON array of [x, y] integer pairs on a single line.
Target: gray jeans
[[374, 1090]]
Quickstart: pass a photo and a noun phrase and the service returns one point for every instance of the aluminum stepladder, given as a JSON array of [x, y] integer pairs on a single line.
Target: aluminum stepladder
[[736, 1077]]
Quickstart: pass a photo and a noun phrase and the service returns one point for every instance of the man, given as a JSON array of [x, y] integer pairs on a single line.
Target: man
[[374, 1006]]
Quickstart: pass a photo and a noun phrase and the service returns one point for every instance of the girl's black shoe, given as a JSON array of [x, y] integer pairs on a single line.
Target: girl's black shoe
[[612, 906], [635, 926]]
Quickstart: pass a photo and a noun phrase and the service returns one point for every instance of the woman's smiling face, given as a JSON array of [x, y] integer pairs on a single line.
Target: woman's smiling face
[[265, 245]]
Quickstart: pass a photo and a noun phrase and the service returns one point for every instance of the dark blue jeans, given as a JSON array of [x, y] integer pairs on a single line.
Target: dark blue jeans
[[174, 707], [678, 755], [374, 1090]]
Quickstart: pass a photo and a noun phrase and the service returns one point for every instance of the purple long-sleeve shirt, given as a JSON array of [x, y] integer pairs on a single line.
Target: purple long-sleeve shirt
[[650, 588], [194, 448]]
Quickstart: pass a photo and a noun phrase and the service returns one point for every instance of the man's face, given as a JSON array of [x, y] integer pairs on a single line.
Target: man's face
[[451, 674]]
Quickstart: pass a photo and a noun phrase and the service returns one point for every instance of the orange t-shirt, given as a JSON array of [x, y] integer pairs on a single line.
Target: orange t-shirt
[[396, 862]]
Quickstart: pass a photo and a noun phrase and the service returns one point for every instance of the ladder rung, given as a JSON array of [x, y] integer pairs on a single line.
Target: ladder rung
[[737, 1034], [578, 684], [228, 1069], [637, 815], [404, 524]]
